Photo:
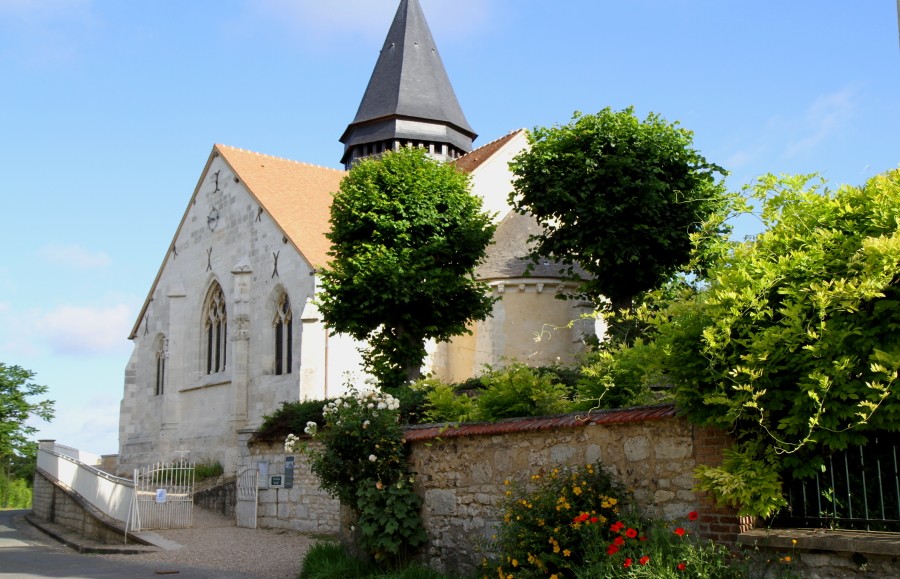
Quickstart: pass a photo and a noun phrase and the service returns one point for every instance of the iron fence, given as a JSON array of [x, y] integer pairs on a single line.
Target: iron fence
[[859, 488]]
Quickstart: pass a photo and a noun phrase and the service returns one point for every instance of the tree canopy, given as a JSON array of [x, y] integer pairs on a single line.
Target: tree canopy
[[625, 199], [406, 238], [794, 346], [15, 409]]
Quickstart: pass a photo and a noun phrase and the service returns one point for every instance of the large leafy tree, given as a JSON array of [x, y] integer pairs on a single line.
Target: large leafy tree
[[16, 388], [794, 347], [627, 200], [406, 237]]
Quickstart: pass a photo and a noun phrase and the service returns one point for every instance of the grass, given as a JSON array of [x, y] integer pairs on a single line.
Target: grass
[[329, 561]]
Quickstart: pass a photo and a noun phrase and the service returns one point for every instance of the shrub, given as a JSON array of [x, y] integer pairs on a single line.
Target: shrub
[[651, 548], [444, 404], [292, 417], [362, 462], [519, 390], [208, 469], [543, 520], [621, 376]]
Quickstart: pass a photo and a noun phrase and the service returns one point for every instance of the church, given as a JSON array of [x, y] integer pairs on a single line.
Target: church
[[229, 329]]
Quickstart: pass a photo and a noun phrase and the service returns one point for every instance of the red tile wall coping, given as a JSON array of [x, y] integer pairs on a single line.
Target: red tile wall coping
[[573, 420]]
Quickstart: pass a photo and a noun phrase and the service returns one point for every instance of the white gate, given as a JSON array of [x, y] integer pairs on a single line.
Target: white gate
[[247, 497], [163, 496]]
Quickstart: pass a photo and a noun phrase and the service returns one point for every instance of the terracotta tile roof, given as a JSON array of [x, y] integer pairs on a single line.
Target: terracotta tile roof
[[296, 195], [575, 420], [471, 161]]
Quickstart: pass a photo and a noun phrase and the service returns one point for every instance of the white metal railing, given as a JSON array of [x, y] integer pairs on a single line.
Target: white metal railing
[[163, 496], [111, 495]]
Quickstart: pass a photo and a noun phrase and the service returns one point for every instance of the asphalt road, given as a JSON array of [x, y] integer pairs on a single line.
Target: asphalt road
[[26, 554]]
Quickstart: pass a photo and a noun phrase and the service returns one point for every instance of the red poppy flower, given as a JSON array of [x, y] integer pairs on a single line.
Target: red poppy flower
[[627, 562], [692, 516], [681, 566], [644, 560], [679, 531], [595, 520], [643, 537], [631, 533], [619, 541], [617, 526], [612, 550]]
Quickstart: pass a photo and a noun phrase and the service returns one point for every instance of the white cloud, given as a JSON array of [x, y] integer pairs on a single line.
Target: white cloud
[[92, 426], [45, 32], [86, 331], [74, 256], [826, 115]]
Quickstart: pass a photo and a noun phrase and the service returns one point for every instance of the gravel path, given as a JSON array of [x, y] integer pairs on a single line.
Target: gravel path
[[215, 542]]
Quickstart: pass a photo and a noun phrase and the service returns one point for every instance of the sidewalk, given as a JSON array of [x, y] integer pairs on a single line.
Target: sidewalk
[[213, 542]]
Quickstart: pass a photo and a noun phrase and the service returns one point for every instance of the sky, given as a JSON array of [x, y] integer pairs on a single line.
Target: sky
[[109, 110]]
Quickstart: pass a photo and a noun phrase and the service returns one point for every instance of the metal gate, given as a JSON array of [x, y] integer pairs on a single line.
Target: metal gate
[[247, 497], [163, 496]]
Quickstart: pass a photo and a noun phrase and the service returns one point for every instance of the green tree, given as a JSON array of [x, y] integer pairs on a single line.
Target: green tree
[[794, 347], [15, 409], [406, 238], [628, 201]]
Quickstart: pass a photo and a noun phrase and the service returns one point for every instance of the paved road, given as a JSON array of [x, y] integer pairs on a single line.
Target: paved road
[[24, 554]]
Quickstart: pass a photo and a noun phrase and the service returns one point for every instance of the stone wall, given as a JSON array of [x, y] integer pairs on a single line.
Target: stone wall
[[220, 498], [54, 504], [650, 451], [305, 507]]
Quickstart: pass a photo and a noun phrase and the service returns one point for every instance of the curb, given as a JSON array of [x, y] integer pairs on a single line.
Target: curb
[[54, 532]]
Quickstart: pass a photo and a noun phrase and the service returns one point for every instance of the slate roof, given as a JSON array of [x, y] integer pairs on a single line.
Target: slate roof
[[409, 82], [505, 257]]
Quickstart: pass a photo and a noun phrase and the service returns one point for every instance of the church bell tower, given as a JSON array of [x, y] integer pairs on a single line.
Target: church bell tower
[[409, 100]]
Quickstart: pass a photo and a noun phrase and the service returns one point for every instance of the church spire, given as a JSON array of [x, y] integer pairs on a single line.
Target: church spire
[[409, 100]]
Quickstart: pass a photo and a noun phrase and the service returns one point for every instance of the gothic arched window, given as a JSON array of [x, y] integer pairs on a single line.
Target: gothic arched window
[[215, 322], [161, 355], [283, 335]]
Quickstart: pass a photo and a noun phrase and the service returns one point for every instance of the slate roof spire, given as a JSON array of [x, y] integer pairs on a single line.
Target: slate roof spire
[[409, 99]]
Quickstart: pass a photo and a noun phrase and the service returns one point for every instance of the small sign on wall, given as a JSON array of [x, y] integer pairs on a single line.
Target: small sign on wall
[[262, 479], [276, 481], [160, 495], [289, 472]]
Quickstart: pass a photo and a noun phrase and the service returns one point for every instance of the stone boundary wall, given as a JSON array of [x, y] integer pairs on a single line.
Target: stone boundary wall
[[461, 471], [220, 498], [64, 507], [305, 507]]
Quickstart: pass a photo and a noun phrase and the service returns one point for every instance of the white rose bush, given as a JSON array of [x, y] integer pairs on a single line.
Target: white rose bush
[[362, 462]]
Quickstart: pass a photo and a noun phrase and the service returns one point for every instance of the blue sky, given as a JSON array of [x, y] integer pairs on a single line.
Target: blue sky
[[109, 109]]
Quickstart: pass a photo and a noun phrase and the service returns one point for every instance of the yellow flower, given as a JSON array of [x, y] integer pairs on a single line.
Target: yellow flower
[[515, 562], [556, 548], [554, 576], [793, 541], [576, 490], [566, 552], [506, 482]]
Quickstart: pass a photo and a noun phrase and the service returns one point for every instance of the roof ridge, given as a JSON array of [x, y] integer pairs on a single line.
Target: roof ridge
[[497, 140], [258, 154]]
